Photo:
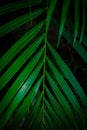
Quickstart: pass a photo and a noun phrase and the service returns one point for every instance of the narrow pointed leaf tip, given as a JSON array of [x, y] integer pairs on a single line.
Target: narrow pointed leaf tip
[[76, 25], [65, 9], [49, 13], [83, 21]]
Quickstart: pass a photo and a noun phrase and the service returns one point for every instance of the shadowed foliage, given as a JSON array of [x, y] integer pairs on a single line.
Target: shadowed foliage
[[38, 87]]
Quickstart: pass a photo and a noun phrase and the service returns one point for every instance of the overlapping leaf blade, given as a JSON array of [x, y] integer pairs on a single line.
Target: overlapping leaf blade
[[19, 62], [63, 18], [49, 13], [78, 47], [32, 112], [68, 74], [66, 89], [42, 93], [19, 81], [17, 6], [17, 22], [49, 120], [20, 95], [19, 45], [27, 103], [53, 115], [61, 99]]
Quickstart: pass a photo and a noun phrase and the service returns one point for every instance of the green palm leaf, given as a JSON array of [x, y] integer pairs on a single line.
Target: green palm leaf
[[61, 99], [76, 26], [19, 45], [19, 62], [83, 20], [17, 6], [79, 48], [12, 25], [27, 103], [49, 13], [63, 18], [19, 81], [20, 95], [37, 88]]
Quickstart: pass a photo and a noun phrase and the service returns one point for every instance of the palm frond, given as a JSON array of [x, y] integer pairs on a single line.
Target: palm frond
[[19, 62], [19, 81], [83, 20], [19, 45], [38, 89], [8, 8], [76, 26], [49, 13], [27, 103], [80, 49], [12, 25], [63, 18]]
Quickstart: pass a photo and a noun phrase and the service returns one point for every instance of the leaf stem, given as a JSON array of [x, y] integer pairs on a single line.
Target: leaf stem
[[44, 72]]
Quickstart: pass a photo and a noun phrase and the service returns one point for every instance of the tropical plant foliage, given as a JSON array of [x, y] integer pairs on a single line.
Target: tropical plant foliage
[[38, 90]]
